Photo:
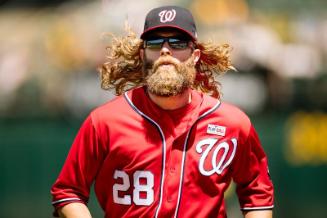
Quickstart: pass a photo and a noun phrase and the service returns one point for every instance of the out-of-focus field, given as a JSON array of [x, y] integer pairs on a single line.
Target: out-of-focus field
[[49, 52]]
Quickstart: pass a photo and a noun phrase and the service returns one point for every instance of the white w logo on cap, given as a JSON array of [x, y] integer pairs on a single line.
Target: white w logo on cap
[[167, 15]]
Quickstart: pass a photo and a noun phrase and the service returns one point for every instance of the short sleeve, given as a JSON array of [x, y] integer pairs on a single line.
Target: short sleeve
[[251, 175], [80, 168]]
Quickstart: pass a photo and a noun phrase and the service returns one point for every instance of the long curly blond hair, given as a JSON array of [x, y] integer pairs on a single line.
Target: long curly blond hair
[[123, 68]]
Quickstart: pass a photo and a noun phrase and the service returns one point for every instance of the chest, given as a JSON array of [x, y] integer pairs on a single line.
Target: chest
[[206, 149]]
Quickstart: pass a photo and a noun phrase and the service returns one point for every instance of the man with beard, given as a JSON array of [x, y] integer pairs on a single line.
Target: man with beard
[[164, 147]]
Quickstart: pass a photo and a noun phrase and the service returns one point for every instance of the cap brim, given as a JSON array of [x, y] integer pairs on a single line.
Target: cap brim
[[166, 26]]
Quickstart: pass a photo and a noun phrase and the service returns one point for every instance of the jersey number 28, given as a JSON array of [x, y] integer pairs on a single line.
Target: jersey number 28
[[139, 188]]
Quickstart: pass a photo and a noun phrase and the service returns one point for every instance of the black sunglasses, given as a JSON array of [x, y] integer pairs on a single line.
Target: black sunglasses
[[174, 42]]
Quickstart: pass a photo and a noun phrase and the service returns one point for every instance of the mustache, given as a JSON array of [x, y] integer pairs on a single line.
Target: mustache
[[166, 60]]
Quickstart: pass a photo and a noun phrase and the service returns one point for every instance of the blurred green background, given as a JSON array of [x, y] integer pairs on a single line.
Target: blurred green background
[[49, 52]]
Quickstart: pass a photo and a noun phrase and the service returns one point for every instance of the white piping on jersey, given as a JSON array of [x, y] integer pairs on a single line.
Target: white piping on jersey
[[184, 156], [182, 174], [66, 199], [258, 208], [163, 150]]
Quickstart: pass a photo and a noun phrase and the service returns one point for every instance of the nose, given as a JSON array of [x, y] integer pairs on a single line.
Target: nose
[[165, 50]]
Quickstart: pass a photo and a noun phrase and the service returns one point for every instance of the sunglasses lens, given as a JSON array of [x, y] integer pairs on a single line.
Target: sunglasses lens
[[154, 43], [174, 43], [178, 43]]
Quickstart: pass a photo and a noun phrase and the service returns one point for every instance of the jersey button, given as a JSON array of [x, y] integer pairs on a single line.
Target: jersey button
[[169, 199], [172, 170]]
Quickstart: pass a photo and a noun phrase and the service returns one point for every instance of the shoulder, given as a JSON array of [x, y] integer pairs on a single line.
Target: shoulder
[[233, 113], [226, 110], [109, 108], [232, 117], [118, 108]]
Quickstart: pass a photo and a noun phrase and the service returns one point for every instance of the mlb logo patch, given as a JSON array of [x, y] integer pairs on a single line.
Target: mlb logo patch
[[216, 130]]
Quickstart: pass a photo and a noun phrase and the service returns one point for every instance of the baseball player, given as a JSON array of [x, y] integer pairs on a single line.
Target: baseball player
[[164, 147]]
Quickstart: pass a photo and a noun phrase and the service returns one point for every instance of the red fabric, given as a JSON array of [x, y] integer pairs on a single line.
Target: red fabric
[[116, 138]]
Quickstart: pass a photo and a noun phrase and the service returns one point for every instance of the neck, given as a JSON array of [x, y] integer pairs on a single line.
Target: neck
[[172, 102]]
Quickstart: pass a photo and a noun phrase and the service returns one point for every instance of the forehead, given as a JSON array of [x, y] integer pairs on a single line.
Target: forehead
[[166, 32]]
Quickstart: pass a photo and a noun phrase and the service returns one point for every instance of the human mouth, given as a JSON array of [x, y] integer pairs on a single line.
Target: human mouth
[[166, 65], [165, 62]]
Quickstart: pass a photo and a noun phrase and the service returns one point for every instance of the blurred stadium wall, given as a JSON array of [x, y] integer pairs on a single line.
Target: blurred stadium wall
[[49, 52]]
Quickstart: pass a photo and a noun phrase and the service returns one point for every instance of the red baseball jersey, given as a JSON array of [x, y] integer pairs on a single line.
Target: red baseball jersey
[[150, 162]]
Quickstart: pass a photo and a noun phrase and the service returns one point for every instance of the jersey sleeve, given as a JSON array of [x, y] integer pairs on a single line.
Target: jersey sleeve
[[251, 175], [80, 168]]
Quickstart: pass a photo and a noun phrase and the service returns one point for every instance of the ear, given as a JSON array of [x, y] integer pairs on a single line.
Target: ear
[[196, 54], [142, 54]]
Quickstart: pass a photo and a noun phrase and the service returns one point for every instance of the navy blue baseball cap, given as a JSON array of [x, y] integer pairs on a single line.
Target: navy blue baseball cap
[[170, 17]]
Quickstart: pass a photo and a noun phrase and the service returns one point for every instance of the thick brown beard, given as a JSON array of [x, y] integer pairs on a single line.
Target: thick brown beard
[[170, 81]]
